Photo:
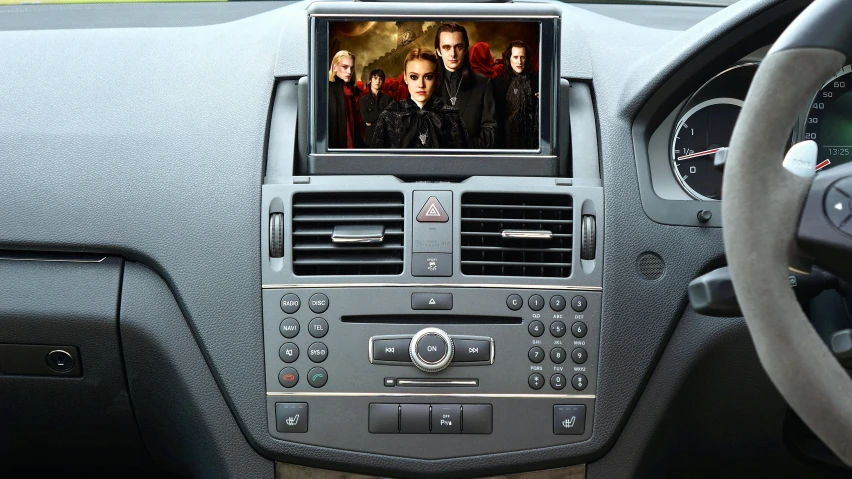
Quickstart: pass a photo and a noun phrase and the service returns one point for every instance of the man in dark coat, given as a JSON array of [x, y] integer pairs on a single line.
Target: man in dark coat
[[516, 94], [372, 104], [342, 108], [462, 88]]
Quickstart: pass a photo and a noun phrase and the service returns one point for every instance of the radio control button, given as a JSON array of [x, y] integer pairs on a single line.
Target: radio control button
[[536, 302], [579, 329], [317, 352], [557, 329], [289, 328], [391, 350], [290, 303], [557, 381], [288, 352], [536, 381], [579, 356], [318, 303], [536, 328], [318, 327], [471, 350], [557, 355], [425, 301], [536, 354], [288, 377], [514, 302], [557, 303], [578, 304], [431, 350], [579, 382]]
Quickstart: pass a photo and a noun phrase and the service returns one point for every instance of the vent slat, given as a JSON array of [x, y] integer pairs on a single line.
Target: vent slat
[[484, 252], [315, 216]]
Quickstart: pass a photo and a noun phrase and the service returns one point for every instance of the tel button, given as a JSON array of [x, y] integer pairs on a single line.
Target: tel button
[[288, 377], [391, 350], [318, 327], [471, 350]]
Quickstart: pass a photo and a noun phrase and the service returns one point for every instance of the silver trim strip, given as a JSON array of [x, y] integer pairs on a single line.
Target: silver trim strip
[[528, 396], [527, 234], [54, 260], [431, 285], [437, 382]]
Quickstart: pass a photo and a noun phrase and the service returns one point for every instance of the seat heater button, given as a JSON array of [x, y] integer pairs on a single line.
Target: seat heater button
[[291, 417], [569, 419]]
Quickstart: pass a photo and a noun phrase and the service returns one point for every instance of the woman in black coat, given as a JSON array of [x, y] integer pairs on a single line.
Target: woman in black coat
[[422, 121]]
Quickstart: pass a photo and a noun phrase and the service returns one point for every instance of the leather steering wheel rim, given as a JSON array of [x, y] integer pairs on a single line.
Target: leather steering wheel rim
[[761, 208]]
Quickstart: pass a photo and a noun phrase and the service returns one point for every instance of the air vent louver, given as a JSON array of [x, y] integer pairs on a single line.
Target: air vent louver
[[487, 218], [317, 216]]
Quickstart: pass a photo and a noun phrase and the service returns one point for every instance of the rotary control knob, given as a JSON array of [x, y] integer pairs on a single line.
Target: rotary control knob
[[431, 350]]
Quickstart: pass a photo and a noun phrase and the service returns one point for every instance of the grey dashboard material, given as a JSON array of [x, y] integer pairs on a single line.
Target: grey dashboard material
[[148, 143]]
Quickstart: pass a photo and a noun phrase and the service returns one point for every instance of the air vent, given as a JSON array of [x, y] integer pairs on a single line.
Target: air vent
[[347, 234], [516, 235]]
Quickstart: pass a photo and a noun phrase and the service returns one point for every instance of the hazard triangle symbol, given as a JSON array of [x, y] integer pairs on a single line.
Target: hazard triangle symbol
[[433, 212]]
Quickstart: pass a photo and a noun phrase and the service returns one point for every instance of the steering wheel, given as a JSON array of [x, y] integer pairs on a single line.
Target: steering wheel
[[773, 219]]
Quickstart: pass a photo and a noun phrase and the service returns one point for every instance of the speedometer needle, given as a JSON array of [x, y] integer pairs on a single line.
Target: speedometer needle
[[700, 153]]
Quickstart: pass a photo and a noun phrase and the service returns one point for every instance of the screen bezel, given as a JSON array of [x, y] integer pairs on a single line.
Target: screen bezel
[[436, 163]]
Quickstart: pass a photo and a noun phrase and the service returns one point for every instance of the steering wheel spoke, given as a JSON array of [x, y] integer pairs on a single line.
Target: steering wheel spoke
[[825, 229]]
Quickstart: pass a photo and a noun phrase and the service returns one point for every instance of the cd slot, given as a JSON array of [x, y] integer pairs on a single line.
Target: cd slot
[[430, 319], [446, 383]]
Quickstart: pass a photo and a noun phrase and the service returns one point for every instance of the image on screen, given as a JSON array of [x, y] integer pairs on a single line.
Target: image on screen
[[434, 85]]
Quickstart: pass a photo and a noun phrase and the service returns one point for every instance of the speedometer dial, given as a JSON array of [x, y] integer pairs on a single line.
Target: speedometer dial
[[699, 134], [829, 122]]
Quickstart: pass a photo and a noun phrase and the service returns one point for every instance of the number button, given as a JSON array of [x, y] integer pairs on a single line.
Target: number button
[[536, 354], [557, 355], [579, 329], [536, 381], [557, 329], [536, 302], [578, 304], [536, 328], [579, 382], [557, 381], [557, 303], [579, 355]]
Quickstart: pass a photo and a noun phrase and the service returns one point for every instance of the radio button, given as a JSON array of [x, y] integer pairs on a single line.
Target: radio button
[[536, 328], [557, 381], [578, 304], [579, 355], [557, 329], [318, 327], [290, 303], [317, 352], [514, 302], [557, 355], [579, 329], [318, 303], [557, 303], [471, 350], [391, 350], [536, 302], [536, 354], [431, 348]]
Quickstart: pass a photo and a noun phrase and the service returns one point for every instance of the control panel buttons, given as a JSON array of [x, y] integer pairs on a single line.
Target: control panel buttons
[[579, 329], [569, 419], [433, 301], [536, 328], [536, 302], [557, 303], [291, 417], [471, 350], [317, 352], [318, 303], [431, 349], [536, 381], [446, 419], [536, 354], [317, 377], [288, 352], [414, 418], [290, 303], [384, 418], [557, 381], [514, 302], [557, 355], [557, 329], [578, 304], [318, 327], [431, 264], [433, 212], [288, 377], [477, 418], [578, 355], [390, 382], [289, 328], [60, 361], [579, 382], [391, 350]]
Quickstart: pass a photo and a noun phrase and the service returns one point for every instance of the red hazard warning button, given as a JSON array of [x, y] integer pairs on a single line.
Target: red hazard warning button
[[432, 212]]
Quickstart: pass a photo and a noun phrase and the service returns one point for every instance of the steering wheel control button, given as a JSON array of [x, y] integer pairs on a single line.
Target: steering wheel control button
[[291, 417], [384, 419], [431, 350], [288, 377], [288, 352], [578, 304], [579, 329], [578, 355], [289, 328], [446, 418], [569, 420], [837, 206], [477, 418], [60, 360], [557, 355], [557, 329], [536, 302], [579, 382], [317, 352], [439, 301], [557, 303], [317, 377], [391, 350], [514, 302], [318, 327], [536, 354], [318, 303], [431, 264], [536, 328], [557, 381], [471, 350], [290, 303], [536, 381], [414, 418]]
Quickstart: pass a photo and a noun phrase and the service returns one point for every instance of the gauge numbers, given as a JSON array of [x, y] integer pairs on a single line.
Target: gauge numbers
[[829, 121], [699, 134]]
